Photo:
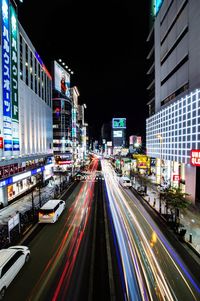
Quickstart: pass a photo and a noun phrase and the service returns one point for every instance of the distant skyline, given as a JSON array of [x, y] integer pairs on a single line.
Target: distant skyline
[[105, 45]]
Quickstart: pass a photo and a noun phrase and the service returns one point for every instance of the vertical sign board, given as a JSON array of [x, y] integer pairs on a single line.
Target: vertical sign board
[[73, 123], [14, 79], [6, 78]]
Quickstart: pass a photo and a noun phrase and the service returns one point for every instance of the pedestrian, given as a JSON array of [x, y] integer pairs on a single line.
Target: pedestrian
[[154, 202]]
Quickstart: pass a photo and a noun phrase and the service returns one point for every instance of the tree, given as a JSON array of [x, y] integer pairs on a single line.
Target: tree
[[175, 199], [143, 180]]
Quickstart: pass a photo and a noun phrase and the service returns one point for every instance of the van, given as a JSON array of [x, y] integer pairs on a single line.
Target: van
[[12, 260], [125, 182], [50, 212]]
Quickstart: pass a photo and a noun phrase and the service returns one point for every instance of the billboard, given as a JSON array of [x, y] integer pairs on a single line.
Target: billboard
[[14, 79], [61, 80], [119, 123], [6, 83], [73, 123], [195, 157], [117, 134]]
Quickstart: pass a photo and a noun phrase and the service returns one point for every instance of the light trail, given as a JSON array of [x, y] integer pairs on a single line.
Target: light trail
[[68, 242], [146, 255]]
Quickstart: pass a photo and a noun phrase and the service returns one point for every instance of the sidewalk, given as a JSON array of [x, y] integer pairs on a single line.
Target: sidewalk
[[25, 203], [189, 218]]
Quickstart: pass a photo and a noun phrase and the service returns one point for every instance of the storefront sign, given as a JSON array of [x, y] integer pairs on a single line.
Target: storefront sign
[[1, 142], [6, 171], [1, 172], [195, 157], [176, 178], [21, 176], [64, 162], [153, 162], [6, 76], [14, 79]]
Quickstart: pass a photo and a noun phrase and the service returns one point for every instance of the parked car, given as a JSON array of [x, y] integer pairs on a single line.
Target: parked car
[[12, 260]]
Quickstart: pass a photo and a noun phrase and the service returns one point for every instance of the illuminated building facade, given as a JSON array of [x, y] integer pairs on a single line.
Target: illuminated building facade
[[173, 127], [62, 113], [25, 110]]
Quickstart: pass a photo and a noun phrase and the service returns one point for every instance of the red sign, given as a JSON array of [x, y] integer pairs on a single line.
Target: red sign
[[195, 157], [1, 142], [64, 162], [176, 178], [8, 170]]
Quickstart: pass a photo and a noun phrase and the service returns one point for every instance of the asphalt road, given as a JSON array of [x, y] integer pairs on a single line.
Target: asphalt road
[[56, 271], [152, 268]]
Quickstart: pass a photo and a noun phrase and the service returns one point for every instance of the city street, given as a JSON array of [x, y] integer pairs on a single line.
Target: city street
[[146, 253], [54, 250]]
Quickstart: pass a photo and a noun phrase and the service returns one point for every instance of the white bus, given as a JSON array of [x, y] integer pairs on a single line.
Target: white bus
[[50, 212], [125, 182]]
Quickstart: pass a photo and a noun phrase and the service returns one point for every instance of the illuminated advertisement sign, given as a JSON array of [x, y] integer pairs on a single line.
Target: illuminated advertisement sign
[[139, 140], [6, 77], [1, 142], [158, 4], [14, 79], [61, 80], [176, 178], [73, 123], [117, 134], [132, 139], [195, 157], [119, 123], [155, 6]]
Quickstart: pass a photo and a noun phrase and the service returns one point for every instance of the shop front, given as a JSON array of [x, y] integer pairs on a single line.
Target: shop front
[[14, 186], [20, 187]]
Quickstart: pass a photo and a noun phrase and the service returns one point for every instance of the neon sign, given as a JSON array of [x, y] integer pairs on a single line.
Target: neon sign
[[195, 157], [119, 123], [14, 79], [7, 128]]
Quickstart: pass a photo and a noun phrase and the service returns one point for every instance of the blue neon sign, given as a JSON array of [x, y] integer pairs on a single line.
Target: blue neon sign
[[158, 4], [6, 76]]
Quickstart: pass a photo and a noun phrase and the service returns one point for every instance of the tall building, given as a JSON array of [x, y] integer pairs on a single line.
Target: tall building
[[173, 127], [25, 110], [62, 117], [75, 126], [82, 132]]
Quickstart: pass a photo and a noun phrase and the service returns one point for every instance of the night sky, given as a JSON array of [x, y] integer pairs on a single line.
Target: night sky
[[104, 43]]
